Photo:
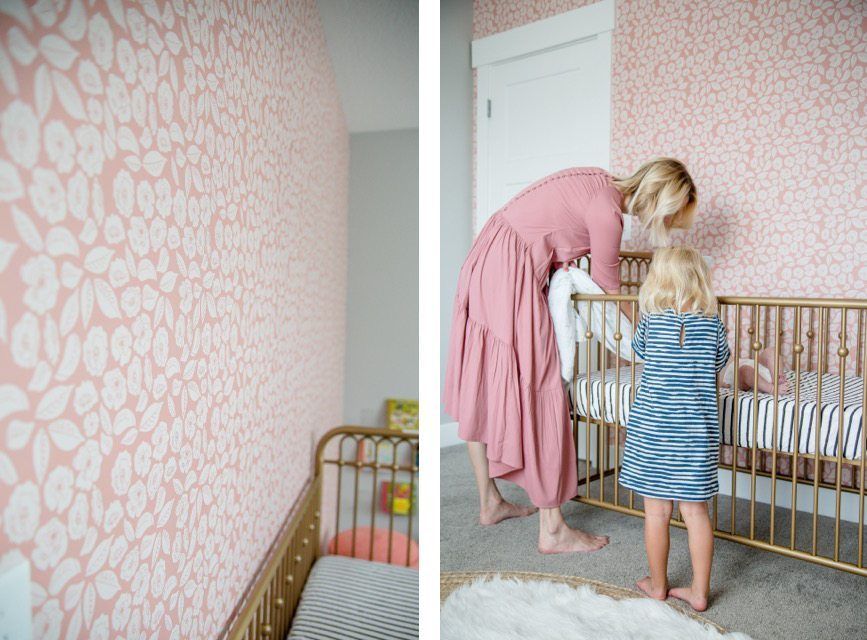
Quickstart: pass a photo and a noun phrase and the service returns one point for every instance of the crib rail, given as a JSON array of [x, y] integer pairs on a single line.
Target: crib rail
[[806, 503], [266, 609], [269, 604], [354, 463]]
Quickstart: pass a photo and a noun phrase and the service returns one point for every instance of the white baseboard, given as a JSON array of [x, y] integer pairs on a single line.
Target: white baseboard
[[449, 434]]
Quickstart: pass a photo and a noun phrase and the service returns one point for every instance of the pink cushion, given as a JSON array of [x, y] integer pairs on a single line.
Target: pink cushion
[[341, 545]]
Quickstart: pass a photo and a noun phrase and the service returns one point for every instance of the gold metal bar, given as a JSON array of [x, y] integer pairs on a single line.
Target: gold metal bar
[[724, 319], [394, 468], [412, 452], [602, 433], [575, 393], [735, 424], [858, 342], [777, 341], [756, 347], [587, 410], [363, 465], [817, 471], [842, 352], [282, 618], [373, 494], [339, 473], [827, 339], [863, 348], [355, 505], [618, 337], [816, 303], [797, 350], [632, 390]]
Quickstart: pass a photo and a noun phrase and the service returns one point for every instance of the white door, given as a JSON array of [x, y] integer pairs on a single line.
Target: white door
[[540, 112]]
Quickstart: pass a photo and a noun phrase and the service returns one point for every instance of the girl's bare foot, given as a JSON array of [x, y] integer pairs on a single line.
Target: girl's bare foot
[[566, 540], [646, 585], [693, 599], [499, 510]]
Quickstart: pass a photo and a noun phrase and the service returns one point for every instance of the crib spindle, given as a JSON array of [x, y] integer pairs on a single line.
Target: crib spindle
[[797, 350], [618, 337], [817, 468], [842, 352], [863, 459], [602, 433], [735, 431], [756, 347], [777, 340]]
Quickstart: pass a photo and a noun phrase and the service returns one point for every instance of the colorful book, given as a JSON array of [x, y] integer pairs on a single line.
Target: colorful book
[[401, 502]]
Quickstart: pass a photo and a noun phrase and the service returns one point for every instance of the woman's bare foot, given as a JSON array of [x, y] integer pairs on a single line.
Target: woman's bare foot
[[694, 600], [499, 510], [646, 585], [566, 540]]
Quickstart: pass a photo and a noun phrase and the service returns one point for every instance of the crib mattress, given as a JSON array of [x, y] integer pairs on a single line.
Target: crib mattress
[[749, 408], [347, 598]]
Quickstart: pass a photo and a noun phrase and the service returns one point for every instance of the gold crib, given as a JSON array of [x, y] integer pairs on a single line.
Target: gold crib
[[266, 608], [808, 337]]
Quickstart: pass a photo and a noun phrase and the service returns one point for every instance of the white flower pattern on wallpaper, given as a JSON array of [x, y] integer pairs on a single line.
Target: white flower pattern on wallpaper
[[761, 101], [173, 185]]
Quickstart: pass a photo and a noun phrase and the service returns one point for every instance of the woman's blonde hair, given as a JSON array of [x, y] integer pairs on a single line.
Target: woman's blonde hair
[[678, 279], [661, 188]]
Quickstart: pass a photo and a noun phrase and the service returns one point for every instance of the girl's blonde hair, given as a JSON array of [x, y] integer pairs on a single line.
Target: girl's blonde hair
[[678, 279], [661, 188]]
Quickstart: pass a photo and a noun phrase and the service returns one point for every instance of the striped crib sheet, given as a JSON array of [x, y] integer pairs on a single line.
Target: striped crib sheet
[[748, 410], [347, 598]]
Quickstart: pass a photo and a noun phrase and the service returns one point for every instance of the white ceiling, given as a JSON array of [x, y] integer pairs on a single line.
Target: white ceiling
[[374, 51]]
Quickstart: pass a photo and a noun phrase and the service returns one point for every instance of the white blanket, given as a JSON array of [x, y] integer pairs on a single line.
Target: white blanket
[[571, 325]]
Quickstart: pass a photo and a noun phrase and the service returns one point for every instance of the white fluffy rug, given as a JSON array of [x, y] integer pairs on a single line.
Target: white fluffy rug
[[507, 609]]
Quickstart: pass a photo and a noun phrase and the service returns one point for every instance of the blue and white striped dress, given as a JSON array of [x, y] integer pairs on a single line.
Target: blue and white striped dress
[[672, 437]]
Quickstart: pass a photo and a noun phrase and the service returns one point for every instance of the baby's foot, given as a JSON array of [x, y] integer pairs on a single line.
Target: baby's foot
[[783, 385], [691, 597], [566, 540], [646, 585], [501, 510]]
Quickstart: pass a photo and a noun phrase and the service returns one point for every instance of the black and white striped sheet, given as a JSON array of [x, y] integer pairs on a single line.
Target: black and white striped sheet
[[747, 412], [350, 599]]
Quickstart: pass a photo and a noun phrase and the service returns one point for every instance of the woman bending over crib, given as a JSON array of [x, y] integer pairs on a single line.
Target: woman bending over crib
[[672, 437]]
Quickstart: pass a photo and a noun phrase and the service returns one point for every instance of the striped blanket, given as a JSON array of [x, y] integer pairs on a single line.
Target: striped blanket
[[754, 407], [351, 598]]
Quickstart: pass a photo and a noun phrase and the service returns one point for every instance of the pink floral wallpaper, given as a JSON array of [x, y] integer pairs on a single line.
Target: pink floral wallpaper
[[173, 185], [763, 101]]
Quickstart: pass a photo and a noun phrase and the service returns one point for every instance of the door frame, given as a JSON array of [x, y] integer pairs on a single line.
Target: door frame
[[593, 21]]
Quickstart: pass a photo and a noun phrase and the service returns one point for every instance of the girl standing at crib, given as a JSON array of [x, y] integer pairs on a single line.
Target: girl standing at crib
[[672, 437]]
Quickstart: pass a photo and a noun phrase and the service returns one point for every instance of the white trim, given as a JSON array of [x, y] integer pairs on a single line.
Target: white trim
[[449, 434], [483, 209], [544, 34], [595, 20]]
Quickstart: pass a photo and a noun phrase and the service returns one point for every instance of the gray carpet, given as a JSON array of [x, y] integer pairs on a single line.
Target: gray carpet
[[761, 593]]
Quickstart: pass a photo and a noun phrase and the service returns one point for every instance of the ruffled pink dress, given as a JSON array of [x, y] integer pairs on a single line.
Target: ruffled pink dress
[[503, 380]]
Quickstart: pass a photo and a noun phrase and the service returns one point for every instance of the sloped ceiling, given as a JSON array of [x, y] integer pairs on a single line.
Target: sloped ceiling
[[374, 50]]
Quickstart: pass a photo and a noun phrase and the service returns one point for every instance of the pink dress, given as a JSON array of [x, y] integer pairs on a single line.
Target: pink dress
[[503, 380]]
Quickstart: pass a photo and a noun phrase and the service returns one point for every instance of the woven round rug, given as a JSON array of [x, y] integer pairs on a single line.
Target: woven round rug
[[452, 580]]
